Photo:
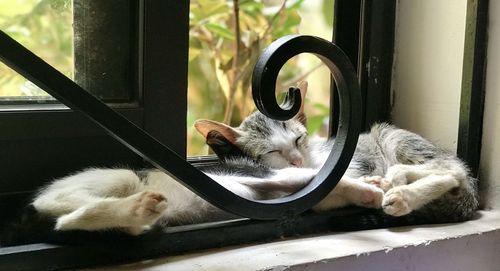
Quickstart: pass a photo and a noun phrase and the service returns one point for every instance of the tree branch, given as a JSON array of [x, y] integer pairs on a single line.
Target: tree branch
[[300, 77], [233, 86], [271, 22]]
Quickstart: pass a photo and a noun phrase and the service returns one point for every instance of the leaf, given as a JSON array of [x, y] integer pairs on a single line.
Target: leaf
[[328, 11], [287, 24], [314, 123], [220, 30], [193, 53], [225, 58], [210, 8], [222, 79], [294, 4], [60, 5], [292, 20], [322, 108], [253, 22]]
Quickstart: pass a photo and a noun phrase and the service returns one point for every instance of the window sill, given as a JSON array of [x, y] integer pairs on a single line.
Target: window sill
[[473, 245]]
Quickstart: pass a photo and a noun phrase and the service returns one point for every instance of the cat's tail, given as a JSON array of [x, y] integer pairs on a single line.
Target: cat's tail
[[28, 227]]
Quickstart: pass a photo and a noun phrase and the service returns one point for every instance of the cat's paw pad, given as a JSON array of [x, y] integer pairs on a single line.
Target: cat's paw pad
[[149, 206], [372, 198], [395, 203], [377, 181]]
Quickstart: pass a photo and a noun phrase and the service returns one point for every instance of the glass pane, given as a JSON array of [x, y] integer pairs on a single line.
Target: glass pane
[[92, 42], [44, 27], [106, 48], [219, 89]]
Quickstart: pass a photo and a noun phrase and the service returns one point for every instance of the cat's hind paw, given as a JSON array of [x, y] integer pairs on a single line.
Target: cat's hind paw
[[148, 207], [134, 212], [396, 202]]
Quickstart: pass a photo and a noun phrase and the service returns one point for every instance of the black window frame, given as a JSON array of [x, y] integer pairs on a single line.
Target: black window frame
[[363, 28], [64, 141]]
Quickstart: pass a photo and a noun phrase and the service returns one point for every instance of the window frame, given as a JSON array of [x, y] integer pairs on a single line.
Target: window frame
[[472, 96], [33, 128]]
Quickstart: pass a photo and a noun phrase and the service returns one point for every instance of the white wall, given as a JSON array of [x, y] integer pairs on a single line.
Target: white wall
[[427, 79], [428, 68], [490, 152]]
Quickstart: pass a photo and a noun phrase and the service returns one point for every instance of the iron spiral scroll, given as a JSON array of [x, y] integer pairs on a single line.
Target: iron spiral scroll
[[264, 78]]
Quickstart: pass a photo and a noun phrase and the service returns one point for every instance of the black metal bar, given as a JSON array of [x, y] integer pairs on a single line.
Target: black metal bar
[[264, 81], [376, 57], [364, 29], [346, 22], [136, 139], [473, 84], [347, 27], [165, 68], [106, 48], [364, 54]]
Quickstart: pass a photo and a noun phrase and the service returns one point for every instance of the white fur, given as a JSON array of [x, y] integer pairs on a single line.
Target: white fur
[[99, 199], [416, 185], [351, 191]]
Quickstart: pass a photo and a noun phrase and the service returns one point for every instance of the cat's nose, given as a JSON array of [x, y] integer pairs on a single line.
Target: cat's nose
[[296, 162]]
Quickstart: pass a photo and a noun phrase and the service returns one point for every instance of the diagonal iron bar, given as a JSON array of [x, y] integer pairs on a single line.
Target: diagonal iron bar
[[69, 93]]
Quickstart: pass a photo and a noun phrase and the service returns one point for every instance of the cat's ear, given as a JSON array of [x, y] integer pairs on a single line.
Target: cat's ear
[[301, 116], [204, 127], [221, 146]]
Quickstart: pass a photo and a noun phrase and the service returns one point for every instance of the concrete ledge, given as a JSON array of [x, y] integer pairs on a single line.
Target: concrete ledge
[[472, 245]]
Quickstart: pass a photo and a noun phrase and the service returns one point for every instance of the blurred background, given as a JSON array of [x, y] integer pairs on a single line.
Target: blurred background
[[223, 50]]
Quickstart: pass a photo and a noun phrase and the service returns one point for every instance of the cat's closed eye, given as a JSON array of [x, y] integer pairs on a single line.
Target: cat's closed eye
[[274, 151], [300, 139]]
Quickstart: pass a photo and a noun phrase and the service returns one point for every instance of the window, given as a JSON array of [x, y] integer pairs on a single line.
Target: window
[[212, 78], [44, 27], [63, 140], [52, 140]]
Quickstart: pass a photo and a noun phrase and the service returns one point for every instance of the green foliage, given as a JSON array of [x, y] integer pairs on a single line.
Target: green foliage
[[328, 11], [223, 52], [44, 27], [220, 60], [315, 123]]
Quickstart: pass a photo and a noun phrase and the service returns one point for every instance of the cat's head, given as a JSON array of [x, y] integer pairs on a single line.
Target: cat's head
[[277, 144]]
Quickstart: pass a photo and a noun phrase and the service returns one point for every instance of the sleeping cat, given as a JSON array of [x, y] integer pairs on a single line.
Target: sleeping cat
[[132, 201], [264, 159], [419, 178]]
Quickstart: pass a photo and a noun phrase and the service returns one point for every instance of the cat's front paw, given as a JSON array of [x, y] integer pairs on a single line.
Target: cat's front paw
[[377, 181], [398, 175], [371, 197], [396, 202], [148, 207]]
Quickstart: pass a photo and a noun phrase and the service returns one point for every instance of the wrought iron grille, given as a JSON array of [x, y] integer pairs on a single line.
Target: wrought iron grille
[[264, 79], [275, 218], [363, 19]]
